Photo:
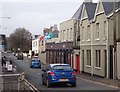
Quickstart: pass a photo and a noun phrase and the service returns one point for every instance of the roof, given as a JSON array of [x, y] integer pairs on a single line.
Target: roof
[[57, 64], [90, 8], [55, 32], [77, 14], [108, 6]]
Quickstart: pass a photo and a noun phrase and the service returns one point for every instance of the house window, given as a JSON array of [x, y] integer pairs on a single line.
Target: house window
[[82, 33], [68, 34], [71, 33], [39, 43], [63, 34], [89, 57], [36, 43], [97, 30], [42, 42], [88, 32], [83, 55], [105, 28], [98, 60]]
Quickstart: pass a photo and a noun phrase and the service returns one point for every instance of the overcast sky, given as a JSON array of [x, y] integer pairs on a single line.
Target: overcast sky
[[35, 15]]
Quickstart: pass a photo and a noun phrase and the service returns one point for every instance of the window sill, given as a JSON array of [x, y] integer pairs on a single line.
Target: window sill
[[97, 39], [98, 68], [88, 66], [88, 40]]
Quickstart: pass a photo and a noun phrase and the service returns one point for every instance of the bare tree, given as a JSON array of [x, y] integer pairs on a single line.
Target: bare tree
[[21, 38]]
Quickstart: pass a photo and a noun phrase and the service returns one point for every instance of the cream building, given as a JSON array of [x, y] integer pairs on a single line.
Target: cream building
[[66, 30], [97, 39]]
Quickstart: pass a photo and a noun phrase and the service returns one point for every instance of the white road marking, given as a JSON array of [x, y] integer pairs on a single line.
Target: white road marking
[[97, 82], [32, 86]]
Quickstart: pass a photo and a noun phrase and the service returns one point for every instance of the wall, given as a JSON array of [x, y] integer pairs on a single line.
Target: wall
[[118, 60], [66, 30], [42, 57], [35, 47]]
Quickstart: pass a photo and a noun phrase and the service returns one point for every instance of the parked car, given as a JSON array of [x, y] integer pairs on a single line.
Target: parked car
[[58, 73], [20, 56], [35, 63]]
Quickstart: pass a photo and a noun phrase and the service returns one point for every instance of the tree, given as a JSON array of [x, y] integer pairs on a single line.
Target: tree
[[21, 38]]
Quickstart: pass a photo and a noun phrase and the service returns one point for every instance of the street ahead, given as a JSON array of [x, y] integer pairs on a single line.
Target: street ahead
[[34, 77]]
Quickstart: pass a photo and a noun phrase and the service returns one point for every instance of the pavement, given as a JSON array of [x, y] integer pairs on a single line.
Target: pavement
[[11, 82], [99, 80]]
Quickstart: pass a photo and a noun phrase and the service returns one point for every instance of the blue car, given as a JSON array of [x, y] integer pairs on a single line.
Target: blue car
[[35, 63], [58, 73]]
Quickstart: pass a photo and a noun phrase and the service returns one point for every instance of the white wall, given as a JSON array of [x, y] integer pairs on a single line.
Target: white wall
[[35, 45]]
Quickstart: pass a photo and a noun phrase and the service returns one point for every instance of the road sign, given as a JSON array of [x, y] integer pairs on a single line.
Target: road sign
[[9, 67]]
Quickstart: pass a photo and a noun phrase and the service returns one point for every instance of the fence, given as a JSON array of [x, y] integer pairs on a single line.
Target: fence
[[12, 82]]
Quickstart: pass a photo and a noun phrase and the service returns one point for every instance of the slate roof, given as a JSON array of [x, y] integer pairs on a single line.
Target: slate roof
[[55, 32], [90, 8], [108, 6], [77, 14]]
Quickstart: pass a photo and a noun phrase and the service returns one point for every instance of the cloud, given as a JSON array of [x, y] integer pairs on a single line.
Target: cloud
[[41, 0], [36, 16]]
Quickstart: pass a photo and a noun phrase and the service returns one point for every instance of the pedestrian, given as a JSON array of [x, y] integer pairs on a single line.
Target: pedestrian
[[2, 61]]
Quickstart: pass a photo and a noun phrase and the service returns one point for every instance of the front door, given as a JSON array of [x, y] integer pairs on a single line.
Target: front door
[[78, 63]]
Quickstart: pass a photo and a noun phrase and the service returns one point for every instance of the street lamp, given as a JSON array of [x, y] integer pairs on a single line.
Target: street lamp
[[5, 17]]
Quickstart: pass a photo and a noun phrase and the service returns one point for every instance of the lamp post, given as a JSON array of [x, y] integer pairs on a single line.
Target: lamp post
[[5, 17]]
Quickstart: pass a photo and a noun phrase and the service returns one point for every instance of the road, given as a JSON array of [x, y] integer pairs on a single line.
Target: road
[[34, 77]]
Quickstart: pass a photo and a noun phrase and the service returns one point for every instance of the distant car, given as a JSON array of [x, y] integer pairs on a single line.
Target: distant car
[[20, 56], [58, 73], [9, 59], [35, 63], [8, 51], [16, 54]]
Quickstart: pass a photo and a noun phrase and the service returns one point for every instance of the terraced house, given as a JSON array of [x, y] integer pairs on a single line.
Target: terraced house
[[87, 40], [97, 38], [76, 39]]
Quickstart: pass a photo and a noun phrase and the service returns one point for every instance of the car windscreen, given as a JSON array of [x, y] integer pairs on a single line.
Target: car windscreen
[[35, 60], [62, 67]]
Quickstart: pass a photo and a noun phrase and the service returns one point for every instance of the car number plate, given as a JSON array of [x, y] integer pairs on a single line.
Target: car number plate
[[63, 79]]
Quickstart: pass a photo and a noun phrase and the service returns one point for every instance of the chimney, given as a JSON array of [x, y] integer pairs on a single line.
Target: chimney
[[89, 1]]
